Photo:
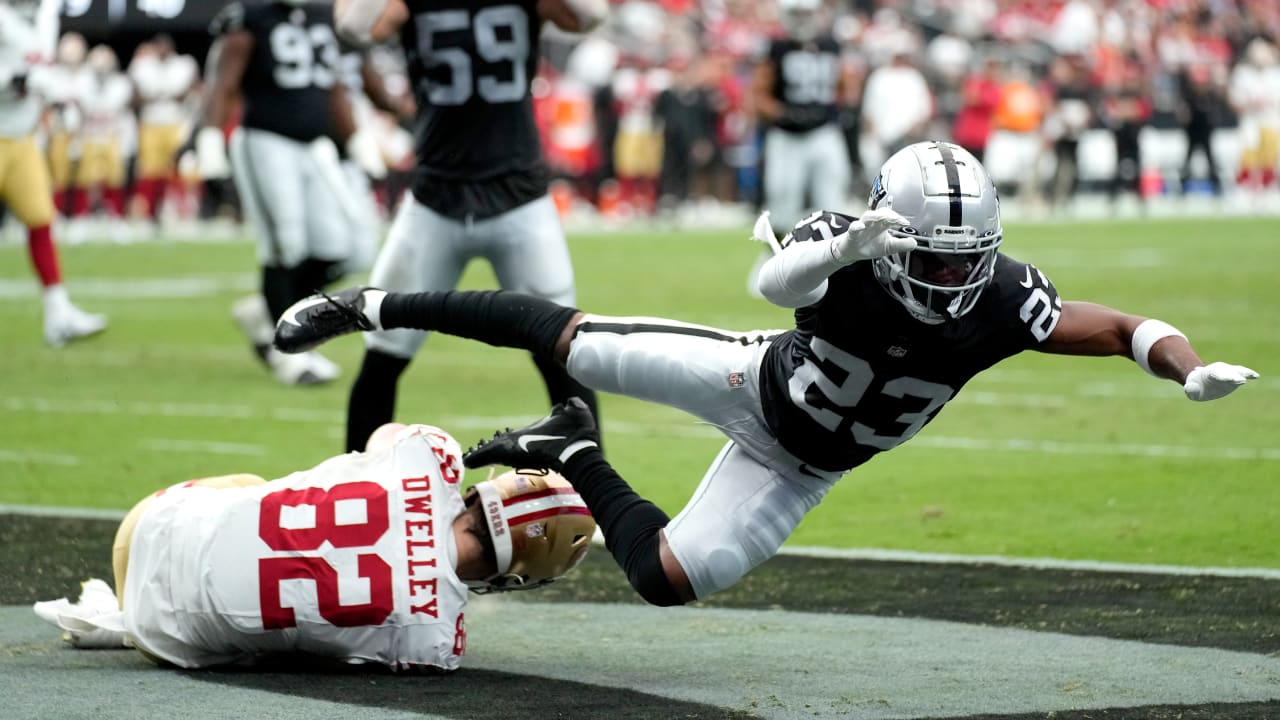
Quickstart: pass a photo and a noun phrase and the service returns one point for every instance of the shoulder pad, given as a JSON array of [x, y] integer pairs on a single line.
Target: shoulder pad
[[821, 225], [228, 20]]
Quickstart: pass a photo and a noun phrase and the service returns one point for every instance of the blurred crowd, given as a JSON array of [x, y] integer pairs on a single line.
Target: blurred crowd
[[654, 113]]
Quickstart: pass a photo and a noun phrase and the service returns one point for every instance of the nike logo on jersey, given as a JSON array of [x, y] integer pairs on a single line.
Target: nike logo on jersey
[[835, 222], [1027, 283], [291, 315], [524, 440]]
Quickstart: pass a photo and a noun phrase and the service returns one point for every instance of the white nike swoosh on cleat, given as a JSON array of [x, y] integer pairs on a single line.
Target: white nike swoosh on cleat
[[524, 440], [291, 315]]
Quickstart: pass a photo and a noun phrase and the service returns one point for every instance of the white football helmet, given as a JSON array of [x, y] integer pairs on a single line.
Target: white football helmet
[[800, 18], [953, 213], [540, 526]]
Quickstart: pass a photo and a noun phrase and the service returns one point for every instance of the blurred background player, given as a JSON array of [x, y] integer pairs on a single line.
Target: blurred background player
[[57, 83], [797, 89], [280, 60], [480, 186], [163, 79], [389, 524], [104, 95], [28, 35]]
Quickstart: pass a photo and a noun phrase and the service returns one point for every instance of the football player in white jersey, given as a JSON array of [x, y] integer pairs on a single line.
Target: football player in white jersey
[[104, 95], [28, 35], [895, 311], [163, 80], [365, 558]]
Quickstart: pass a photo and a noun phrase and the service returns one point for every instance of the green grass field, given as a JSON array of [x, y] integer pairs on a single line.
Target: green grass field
[[1042, 456]]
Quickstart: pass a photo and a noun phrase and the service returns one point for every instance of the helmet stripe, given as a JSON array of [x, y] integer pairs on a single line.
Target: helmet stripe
[[953, 184], [538, 494], [549, 512]]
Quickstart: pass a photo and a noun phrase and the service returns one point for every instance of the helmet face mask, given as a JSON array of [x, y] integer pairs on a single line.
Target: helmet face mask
[[540, 527], [953, 213]]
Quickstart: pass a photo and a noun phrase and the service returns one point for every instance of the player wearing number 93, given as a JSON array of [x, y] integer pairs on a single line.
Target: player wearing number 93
[[365, 558], [895, 311]]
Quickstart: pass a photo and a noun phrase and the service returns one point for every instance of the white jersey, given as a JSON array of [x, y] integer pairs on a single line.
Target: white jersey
[[25, 42], [163, 85], [351, 560], [104, 102]]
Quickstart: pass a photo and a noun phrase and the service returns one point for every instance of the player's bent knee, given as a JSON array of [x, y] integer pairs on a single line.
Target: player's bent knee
[[650, 578]]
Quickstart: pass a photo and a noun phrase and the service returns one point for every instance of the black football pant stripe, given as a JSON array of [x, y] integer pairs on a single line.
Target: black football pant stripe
[[633, 328]]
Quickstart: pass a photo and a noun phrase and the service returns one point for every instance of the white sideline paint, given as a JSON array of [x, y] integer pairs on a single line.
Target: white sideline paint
[[878, 555], [870, 554], [201, 446], [37, 458], [140, 288]]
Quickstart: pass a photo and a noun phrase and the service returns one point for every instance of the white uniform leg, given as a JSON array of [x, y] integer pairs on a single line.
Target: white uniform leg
[[270, 172], [784, 177], [828, 170], [755, 492], [329, 218], [366, 230], [527, 249], [738, 517], [424, 251]]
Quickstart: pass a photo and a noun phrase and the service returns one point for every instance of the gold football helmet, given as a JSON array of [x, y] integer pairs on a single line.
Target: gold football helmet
[[540, 527]]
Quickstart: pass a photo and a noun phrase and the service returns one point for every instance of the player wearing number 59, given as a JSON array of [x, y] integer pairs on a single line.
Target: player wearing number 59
[[479, 187], [895, 311], [365, 558]]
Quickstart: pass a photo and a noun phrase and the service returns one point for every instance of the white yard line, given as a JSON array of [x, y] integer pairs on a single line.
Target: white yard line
[[38, 458], [201, 446]]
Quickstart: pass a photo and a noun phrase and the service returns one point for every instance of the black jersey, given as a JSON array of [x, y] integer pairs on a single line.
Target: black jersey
[[859, 375], [288, 79], [471, 63], [806, 79]]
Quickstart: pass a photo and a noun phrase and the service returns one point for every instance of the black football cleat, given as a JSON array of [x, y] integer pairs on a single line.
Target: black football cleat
[[545, 444], [322, 317]]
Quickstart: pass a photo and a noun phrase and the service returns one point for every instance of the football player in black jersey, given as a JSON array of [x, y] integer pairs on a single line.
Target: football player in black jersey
[[879, 300], [798, 87], [480, 182], [280, 59]]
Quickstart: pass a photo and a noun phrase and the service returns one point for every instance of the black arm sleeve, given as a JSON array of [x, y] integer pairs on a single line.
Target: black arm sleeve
[[629, 522]]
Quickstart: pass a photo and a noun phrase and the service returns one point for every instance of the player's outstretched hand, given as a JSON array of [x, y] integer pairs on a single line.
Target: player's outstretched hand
[[1215, 380], [321, 317], [869, 237]]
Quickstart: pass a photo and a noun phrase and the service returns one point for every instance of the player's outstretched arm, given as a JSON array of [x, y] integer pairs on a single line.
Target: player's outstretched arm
[[796, 275], [1157, 347]]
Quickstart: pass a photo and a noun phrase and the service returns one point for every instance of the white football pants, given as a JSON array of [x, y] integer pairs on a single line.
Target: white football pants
[[816, 162], [754, 493], [425, 250], [290, 199]]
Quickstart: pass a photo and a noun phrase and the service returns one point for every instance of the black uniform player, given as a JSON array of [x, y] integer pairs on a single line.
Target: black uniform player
[[896, 310], [480, 182], [281, 59], [798, 87]]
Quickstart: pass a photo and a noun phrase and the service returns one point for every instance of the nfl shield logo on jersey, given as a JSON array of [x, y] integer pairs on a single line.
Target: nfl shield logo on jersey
[[737, 379]]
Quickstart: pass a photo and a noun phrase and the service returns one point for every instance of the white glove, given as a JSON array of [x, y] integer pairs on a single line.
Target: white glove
[[1215, 380], [763, 233], [94, 621], [362, 147], [211, 154], [868, 237]]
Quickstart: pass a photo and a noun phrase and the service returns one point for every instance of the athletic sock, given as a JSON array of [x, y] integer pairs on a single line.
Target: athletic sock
[[497, 317], [373, 397], [629, 522], [44, 256]]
